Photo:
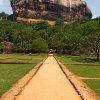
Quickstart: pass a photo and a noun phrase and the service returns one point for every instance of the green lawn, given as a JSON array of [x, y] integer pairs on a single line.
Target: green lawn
[[94, 84], [10, 73], [79, 66], [83, 66], [20, 58], [77, 59], [85, 71]]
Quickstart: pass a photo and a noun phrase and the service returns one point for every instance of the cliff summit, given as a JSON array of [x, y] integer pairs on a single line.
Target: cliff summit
[[69, 10]]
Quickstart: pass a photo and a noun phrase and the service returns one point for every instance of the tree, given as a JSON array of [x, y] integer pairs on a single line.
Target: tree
[[93, 42], [39, 45], [73, 42], [23, 46], [3, 16], [57, 42], [59, 22], [42, 34], [1, 47], [92, 37], [41, 25]]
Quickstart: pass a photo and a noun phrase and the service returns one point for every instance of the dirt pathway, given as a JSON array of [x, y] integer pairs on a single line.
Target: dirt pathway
[[89, 78], [49, 84]]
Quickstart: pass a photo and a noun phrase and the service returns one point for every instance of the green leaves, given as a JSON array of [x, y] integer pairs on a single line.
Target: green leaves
[[3, 16], [59, 22], [64, 38], [39, 45], [41, 25]]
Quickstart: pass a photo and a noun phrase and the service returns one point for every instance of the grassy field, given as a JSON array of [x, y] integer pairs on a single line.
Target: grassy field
[[94, 84], [10, 73], [83, 66], [77, 60], [85, 70], [20, 58]]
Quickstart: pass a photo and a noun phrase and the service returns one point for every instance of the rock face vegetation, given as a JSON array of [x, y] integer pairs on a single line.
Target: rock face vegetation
[[69, 10]]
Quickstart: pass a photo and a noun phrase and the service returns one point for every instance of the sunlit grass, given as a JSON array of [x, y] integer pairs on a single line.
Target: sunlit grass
[[94, 84], [11, 73], [83, 66]]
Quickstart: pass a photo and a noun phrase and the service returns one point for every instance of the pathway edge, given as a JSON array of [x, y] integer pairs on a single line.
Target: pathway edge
[[17, 88], [82, 89]]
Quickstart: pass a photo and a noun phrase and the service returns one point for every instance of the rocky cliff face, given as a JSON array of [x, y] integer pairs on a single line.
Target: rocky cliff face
[[69, 10]]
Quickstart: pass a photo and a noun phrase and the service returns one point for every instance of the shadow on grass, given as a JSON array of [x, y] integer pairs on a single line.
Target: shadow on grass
[[16, 63], [85, 60]]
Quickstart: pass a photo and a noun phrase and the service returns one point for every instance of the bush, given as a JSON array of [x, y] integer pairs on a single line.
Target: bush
[[39, 45]]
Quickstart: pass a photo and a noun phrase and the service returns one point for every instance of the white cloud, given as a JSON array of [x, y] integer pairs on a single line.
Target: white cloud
[[94, 16], [1, 2]]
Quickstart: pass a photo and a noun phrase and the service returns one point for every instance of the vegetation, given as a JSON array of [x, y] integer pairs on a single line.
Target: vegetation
[[94, 84], [85, 70], [11, 73], [81, 66], [39, 45], [80, 37], [84, 67], [3, 16]]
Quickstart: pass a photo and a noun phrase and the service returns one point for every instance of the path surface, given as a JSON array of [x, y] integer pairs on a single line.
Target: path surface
[[89, 78], [49, 84]]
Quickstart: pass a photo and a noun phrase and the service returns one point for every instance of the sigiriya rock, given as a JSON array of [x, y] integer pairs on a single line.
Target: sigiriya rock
[[69, 10]]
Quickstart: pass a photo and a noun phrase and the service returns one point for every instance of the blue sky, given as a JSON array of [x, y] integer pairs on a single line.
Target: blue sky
[[5, 6], [94, 5]]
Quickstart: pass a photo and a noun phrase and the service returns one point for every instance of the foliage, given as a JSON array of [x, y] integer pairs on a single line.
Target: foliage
[[92, 37], [84, 34], [41, 25], [59, 22], [3, 16], [39, 45], [1, 47]]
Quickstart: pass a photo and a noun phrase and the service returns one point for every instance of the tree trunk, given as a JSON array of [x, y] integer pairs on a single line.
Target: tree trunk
[[97, 53]]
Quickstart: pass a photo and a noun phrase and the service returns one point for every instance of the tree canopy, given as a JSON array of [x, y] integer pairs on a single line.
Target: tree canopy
[[40, 37]]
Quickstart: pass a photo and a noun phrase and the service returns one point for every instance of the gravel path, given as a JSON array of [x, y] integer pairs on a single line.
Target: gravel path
[[49, 83]]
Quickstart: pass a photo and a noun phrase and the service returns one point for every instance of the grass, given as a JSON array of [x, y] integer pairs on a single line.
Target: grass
[[80, 67], [11, 73], [20, 58], [94, 84], [85, 71], [83, 66], [77, 59]]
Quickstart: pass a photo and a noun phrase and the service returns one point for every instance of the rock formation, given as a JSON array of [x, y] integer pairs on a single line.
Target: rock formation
[[69, 10]]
